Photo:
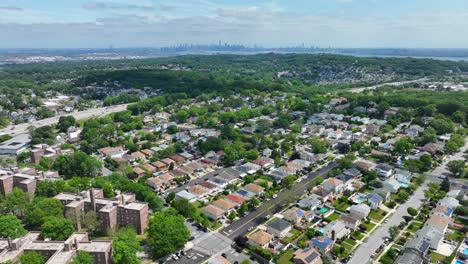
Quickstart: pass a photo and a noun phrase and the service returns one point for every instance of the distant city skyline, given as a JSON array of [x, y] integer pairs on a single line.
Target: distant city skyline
[[267, 23]]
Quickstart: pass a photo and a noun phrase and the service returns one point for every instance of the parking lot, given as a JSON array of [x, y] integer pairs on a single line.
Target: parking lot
[[190, 257]]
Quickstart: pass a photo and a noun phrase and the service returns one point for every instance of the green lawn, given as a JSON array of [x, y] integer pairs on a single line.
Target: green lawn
[[332, 217], [286, 257], [454, 235], [435, 257], [350, 241], [293, 234], [461, 221], [347, 247], [414, 226], [358, 234], [389, 256], [377, 215], [341, 206], [369, 226]]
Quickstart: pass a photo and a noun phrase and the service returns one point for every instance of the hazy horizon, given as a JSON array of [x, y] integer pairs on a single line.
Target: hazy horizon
[[268, 23]]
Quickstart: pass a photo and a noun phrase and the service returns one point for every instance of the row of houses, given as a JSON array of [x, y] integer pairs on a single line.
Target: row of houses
[[431, 235]]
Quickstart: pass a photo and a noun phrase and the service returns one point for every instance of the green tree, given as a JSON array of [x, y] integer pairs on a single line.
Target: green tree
[[289, 180], [251, 154], [347, 161], [232, 215], [403, 146], [166, 233], [90, 221], [125, 246], [411, 211], [57, 228], [319, 180], [77, 164], [185, 208], [83, 257], [253, 203], [65, 122], [318, 145], [42, 208], [394, 231], [434, 192], [426, 162], [11, 227], [243, 209], [445, 184], [32, 257], [402, 196], [457, 168], [16, 202]]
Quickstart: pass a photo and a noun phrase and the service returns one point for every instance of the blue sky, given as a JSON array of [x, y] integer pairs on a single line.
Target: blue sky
[[154, 23]]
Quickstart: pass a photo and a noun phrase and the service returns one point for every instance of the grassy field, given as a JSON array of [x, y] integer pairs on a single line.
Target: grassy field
[[369, 226], [332, 217], [377, 215], [286, 257]]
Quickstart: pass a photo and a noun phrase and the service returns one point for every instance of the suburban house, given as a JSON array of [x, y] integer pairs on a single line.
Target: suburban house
[[254, 188], [442, 210], [384, 170], [260, 238], [432, 235], [391, 185], [213, 212], [224, 205], [322, 244], [336, 230], [333, 185], [350, 221], [294, 215], [186, 195], [279, 227], [308, 255], [311, 202], [359, 211]]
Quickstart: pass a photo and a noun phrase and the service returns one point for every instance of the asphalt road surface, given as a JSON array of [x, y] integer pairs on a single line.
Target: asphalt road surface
[[359, 90], [14, 130], [277, 204]]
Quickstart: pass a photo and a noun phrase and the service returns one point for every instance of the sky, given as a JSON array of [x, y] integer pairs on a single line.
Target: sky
[[269, 23]]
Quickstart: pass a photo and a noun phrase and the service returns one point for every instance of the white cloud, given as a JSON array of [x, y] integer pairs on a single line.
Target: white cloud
[[262, 24]]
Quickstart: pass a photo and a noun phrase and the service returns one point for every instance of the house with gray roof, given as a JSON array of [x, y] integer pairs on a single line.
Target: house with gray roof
[[311, 202], [279, 227], [374, 200], [336, 230], [360, 211], [391, 185]]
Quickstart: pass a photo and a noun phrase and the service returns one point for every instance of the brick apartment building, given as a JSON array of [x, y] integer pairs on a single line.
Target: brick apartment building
[[56, 252], [26, 182], [122, 210]]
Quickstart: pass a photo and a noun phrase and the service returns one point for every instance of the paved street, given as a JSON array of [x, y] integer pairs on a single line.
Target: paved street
[[14, 130], [361, 89], [283, 199]]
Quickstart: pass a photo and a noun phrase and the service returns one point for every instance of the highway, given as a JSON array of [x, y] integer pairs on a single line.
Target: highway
[[284, 198], [361, 89], [14, 130]]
